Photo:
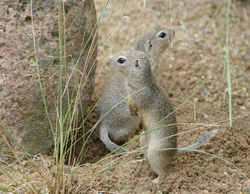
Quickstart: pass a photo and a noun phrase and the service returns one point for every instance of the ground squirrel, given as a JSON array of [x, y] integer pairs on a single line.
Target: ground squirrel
[[118, 124], [150, 100]]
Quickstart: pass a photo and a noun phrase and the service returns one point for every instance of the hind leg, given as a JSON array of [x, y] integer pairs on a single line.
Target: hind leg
[[159, 162]]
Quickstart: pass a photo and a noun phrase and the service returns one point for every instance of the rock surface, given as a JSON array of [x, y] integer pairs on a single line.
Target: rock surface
[[22, 109]]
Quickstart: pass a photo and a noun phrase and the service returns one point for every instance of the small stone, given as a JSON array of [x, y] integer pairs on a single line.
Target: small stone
[[25, 163], [191, 52], [205, 115], [14, 184], [105, 14], [172, 58], [248, 67], [19, 192], [247, 55]]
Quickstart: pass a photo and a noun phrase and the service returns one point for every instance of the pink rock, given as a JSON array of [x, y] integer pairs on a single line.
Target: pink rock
[[22, 110]]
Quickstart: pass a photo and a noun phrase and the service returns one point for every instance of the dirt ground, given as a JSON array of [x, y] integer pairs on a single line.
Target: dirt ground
[[197, 54]]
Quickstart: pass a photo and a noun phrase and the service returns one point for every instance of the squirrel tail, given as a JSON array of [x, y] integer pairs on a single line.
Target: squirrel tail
[[109, 144], [199, 143]]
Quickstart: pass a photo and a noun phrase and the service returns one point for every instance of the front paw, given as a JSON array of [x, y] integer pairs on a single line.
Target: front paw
[[133, 113]]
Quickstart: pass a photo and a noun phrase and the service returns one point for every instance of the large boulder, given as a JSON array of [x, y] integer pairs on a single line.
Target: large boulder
[[22, 109]]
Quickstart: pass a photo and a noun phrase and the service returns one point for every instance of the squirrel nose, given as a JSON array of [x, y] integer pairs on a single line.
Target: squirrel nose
[[137, 63]]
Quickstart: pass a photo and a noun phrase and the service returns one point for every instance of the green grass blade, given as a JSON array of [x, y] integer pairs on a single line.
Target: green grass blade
[[228, 64]]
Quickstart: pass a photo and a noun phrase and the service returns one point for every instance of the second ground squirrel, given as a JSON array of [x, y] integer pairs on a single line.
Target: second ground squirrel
[[117, 123], [148, 99]]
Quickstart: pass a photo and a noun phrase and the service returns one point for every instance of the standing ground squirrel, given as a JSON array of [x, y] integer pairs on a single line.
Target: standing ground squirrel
[[118, 124], [150, 100]]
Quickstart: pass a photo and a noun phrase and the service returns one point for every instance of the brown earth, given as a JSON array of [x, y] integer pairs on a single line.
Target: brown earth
[[196, 55]]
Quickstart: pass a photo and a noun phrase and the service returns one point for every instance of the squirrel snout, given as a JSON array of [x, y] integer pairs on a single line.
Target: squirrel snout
[[137, 64]]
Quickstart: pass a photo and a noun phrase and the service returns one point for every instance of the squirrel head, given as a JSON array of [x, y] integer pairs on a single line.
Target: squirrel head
[[154, 42], [134, 66]]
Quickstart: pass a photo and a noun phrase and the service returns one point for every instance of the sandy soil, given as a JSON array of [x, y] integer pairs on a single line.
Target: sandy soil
[[196, 55]]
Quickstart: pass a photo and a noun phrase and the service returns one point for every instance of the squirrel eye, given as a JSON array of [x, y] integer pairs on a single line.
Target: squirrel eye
[[121, 60], [162, 35]]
